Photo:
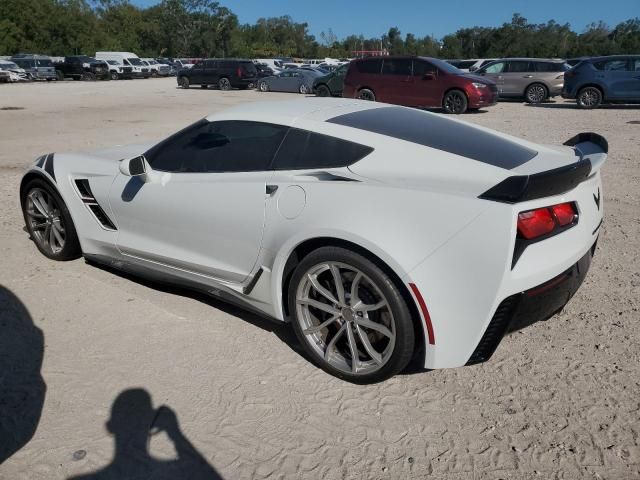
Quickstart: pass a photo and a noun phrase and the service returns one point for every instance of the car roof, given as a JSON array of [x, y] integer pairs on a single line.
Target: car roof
[[610, 57]]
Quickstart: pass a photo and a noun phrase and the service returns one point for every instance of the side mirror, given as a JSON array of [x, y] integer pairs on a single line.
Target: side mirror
[[135, 167], [428, 76]]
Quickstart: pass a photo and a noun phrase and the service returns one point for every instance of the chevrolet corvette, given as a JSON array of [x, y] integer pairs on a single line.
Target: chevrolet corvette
[[382, 234]]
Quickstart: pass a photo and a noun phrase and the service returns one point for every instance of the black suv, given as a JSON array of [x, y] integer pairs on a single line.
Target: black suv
[[226, 73], [82, 67]]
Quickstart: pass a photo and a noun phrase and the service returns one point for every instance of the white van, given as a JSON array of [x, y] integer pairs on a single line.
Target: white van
[[127, 59]]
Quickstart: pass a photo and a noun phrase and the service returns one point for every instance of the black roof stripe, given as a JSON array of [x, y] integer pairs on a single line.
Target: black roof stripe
[[435, 131]]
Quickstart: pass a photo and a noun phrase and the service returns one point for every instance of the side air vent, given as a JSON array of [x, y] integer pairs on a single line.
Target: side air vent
[[101, 216], [84, 189]]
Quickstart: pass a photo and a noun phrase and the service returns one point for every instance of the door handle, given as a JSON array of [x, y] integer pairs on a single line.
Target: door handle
[[271, 189], [528, 76]]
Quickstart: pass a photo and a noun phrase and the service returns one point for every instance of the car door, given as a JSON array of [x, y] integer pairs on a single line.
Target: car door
[[428, 85], [617, 75], [495, 71], [336, 81], [396, 81], [198, 74], [201, 210], [635, 89], [516, 77]]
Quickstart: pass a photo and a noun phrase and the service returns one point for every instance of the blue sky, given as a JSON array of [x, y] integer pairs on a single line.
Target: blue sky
[[421, 17]]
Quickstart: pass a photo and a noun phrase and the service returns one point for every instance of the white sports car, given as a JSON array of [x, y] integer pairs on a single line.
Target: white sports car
[[382, 233]]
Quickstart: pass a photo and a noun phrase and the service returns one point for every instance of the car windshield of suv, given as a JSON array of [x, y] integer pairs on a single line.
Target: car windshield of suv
[[135, 61], [445, 67], [44, 63]]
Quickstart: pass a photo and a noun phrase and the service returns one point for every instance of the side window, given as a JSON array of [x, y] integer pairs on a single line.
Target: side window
[[302, 149], [495, 68], [616, 66], [397, 67], [519, 67], [226, 146], [421, 68], [369, 66]]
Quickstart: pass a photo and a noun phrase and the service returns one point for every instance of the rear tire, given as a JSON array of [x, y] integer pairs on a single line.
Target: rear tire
[[366, 94], [88, 77], [372, 323], [455, 102], [60, 75], [589, 97], [323, 91], [263, 86], [224, 84], [49, 222], [536, 93], [303, 89], [184, 82]]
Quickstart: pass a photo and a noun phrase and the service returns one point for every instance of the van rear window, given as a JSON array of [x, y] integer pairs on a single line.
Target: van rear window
[[434, 131]]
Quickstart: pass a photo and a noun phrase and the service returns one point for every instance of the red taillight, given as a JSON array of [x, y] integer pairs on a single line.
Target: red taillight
[[535, 223], [543, 221], [564, 213]]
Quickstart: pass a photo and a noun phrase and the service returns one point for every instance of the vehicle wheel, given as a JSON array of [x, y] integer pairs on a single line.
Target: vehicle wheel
[[60, 75], [224, 84], [536, 93], [589, 97], [366, 94], [263, 87], [350, 316], [303, 89], [323, 91], [184, 82], [114, 76], [88, 77], [455, 102], [48, 222]]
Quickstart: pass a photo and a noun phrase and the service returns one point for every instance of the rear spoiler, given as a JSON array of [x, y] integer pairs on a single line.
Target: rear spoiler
[[591, 149]]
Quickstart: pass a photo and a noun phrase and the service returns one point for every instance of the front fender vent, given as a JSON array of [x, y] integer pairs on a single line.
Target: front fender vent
[[86, 195]]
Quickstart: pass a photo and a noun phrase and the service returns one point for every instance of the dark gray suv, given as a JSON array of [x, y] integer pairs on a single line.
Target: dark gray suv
[[533, 79]]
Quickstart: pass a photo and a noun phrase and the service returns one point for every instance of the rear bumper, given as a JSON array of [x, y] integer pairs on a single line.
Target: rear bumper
[[533, 305]]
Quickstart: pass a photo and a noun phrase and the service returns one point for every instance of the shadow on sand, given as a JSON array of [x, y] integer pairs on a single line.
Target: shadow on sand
[[132, 423], [22, 388]]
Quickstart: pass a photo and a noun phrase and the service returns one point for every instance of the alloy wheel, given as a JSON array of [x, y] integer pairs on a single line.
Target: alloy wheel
[[536, 94], [224, 84], [345, 318], [45, 220], [590, 97], [453, 103]]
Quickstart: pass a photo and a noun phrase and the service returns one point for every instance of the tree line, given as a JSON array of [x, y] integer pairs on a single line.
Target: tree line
[[205, 28]]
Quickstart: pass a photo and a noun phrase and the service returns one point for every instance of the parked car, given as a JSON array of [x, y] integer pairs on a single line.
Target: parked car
[[331, 84], [289, 80], [127, 59], [533, 79], [612, 79], [418, 82], [156, 68], [118, 70], [82, 67], [381, 233], [226, 73], [13, 71], [37, 67]]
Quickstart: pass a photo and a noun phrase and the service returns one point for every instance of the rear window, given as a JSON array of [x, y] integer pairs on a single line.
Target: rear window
[[434, 131], [302, 149], [551, 67], [369, 66], [466, 64]]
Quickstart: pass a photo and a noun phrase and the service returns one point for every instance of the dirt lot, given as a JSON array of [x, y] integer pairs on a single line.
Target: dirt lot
[[560, 399]]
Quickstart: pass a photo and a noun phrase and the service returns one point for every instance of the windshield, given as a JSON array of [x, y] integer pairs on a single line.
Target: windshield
[[445, 67], [44, 63], [135, 61], [86, 59]]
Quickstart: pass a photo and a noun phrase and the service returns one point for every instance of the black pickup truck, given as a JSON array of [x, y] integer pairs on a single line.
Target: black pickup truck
[[82, 67]]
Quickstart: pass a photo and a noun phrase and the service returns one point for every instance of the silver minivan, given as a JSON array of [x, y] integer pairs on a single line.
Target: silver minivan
[[534, 79]]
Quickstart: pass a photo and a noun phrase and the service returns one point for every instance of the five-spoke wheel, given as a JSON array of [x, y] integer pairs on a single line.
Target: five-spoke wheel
[[350, 316]]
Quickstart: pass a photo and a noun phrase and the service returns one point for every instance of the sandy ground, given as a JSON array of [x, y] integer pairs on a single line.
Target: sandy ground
[[560, 399]]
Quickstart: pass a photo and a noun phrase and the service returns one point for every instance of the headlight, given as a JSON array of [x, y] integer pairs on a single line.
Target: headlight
[[479, 85]]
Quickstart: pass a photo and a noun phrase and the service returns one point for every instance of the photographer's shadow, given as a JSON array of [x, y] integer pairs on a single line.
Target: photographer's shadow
[[133, 421]]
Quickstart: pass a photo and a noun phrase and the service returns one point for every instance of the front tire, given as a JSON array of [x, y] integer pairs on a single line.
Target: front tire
[[114, 76], [224, 84], [589, 97], [49, 222], [536, 93], [303, 89], [350, 316], [455, 102], [184, 82], [323, 91], [263, 87], [366, 94]]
